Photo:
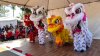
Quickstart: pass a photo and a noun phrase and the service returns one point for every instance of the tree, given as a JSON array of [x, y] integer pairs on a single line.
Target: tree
[[3, 11], [26, 10]]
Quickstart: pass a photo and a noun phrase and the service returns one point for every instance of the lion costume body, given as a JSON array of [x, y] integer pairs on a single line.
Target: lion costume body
[[55, 26], [76, 18], [37, 17]]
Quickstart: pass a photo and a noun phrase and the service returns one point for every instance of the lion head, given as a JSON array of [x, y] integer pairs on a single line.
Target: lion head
[[74, 13], [55, 23], [38, 14]]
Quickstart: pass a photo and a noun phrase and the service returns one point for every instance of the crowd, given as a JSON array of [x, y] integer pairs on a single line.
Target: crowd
[[12, 32]]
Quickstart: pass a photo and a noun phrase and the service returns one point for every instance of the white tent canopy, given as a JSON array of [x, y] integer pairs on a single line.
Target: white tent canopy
[[48, 4], [7, 21]]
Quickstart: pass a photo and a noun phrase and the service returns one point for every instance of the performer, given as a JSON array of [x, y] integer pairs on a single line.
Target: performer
[[77, 19], [33, 32], [37, 18], [56, 27]]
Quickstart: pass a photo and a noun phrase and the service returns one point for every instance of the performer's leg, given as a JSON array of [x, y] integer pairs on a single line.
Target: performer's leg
[[41, 37], [34, 38], [79, 43], [76, 43], [31, 39], [82, 44], [88, 39]]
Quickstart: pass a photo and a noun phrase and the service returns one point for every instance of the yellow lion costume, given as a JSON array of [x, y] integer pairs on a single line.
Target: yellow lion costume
[[55, 26]]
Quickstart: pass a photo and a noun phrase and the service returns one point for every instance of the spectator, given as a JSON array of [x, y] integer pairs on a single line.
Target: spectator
[[10, 32], [11, 27], [9, 35], [2, 37], [17, 33], [23, 33], [6, 27], [0, 30], [3, 28]]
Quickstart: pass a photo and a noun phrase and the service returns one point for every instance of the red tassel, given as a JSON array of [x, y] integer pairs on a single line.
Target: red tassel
[[17, 50]]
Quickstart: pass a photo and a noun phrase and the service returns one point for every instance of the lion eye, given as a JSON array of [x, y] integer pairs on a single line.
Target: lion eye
[[68, 15], [40, 12], [57, 21], [77, 11]]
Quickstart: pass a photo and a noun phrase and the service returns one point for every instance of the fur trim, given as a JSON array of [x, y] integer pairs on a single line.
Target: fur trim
[[39, 9], [36, 18], [75, 19], [67, 10], [79, 5]]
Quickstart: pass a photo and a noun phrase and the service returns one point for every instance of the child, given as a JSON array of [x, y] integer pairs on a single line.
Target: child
[[9, 35], [17, 33]]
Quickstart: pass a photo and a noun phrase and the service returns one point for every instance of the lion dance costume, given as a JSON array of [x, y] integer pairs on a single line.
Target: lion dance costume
[[55, 26], [33, 32], [76, 18], [37, 17]]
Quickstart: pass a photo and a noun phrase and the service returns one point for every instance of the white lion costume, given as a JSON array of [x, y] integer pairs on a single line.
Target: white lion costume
[[39, 14], [76, 18]]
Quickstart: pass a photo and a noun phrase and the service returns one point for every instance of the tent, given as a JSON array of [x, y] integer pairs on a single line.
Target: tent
[[7, 21], [48, 4]]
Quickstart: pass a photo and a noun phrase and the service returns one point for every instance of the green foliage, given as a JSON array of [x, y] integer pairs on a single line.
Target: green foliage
[[3, 11], [26, 10]]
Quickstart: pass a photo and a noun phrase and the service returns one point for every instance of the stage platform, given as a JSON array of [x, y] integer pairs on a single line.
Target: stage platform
[[50, 49]]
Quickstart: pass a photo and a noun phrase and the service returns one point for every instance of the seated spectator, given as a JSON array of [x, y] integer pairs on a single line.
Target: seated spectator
[[11, 26], [17, 33], [0, 32], [6, 27], [23, 33], [5, 33], [9, 35], [3, 28], [2, 37]]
